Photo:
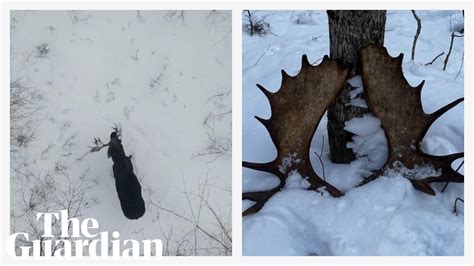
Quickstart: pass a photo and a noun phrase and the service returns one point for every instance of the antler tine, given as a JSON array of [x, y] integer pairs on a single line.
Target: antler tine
[[445, 108], [371, 177], [98, 145], [424, 184], [266, 92], [448, 175], [117, 128], [270, 167], [260, 198]]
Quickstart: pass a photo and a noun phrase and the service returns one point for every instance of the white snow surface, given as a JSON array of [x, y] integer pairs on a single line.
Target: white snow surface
[[166, 79], [356, 92], [295, 180], [366, 125], [386, 216]]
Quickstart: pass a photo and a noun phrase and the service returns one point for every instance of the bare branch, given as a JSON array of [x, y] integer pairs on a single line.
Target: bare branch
[[434, 59], [250, 22], [455, 203], [321, 160], [460, 68], [450, 49], [266, 50], [415, 39]]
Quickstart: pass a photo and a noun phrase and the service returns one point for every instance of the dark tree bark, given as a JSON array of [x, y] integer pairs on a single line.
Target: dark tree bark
[[348, 30]]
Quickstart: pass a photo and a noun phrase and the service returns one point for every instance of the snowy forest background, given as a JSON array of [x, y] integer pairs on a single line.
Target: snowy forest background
[[387, 216], [165, 77]]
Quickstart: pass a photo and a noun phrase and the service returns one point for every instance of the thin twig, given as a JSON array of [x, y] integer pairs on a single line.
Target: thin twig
[[222, 237], [450, 49], [315, 62], [266, 50], [455, 202], [460, 68], [321, 160], [457, 169], [434, 59], [72, 22], [250, 21]]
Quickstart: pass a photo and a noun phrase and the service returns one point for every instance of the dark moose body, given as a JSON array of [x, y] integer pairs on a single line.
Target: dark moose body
[[128, 188]]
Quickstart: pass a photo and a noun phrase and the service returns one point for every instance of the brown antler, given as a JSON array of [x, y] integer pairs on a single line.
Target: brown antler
[[297, 109], [398, 106]]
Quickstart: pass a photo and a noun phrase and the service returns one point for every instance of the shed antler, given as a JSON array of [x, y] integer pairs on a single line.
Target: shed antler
[[398, 106], [297, 107]]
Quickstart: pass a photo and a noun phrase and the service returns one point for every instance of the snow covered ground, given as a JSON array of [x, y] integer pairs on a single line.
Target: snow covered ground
[[165, 77], [387, 216]]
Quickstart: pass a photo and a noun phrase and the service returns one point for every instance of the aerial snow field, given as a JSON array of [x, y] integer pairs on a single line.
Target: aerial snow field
[[386, 216], [165, 78]]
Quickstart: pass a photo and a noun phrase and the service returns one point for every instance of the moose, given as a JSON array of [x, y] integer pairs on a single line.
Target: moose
[[128, 188]]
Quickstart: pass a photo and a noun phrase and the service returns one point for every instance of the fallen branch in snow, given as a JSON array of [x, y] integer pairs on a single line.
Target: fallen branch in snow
[[415, 39], [434, 59]]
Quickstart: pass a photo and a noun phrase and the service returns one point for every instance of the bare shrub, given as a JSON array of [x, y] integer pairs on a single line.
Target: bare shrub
[[43, 50], [25, 103], [209, 225], [47, 193], [44, 182], [255, 25], [218, 126]]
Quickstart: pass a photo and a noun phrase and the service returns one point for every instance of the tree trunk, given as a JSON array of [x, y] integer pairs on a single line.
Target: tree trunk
[[348, 30]]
